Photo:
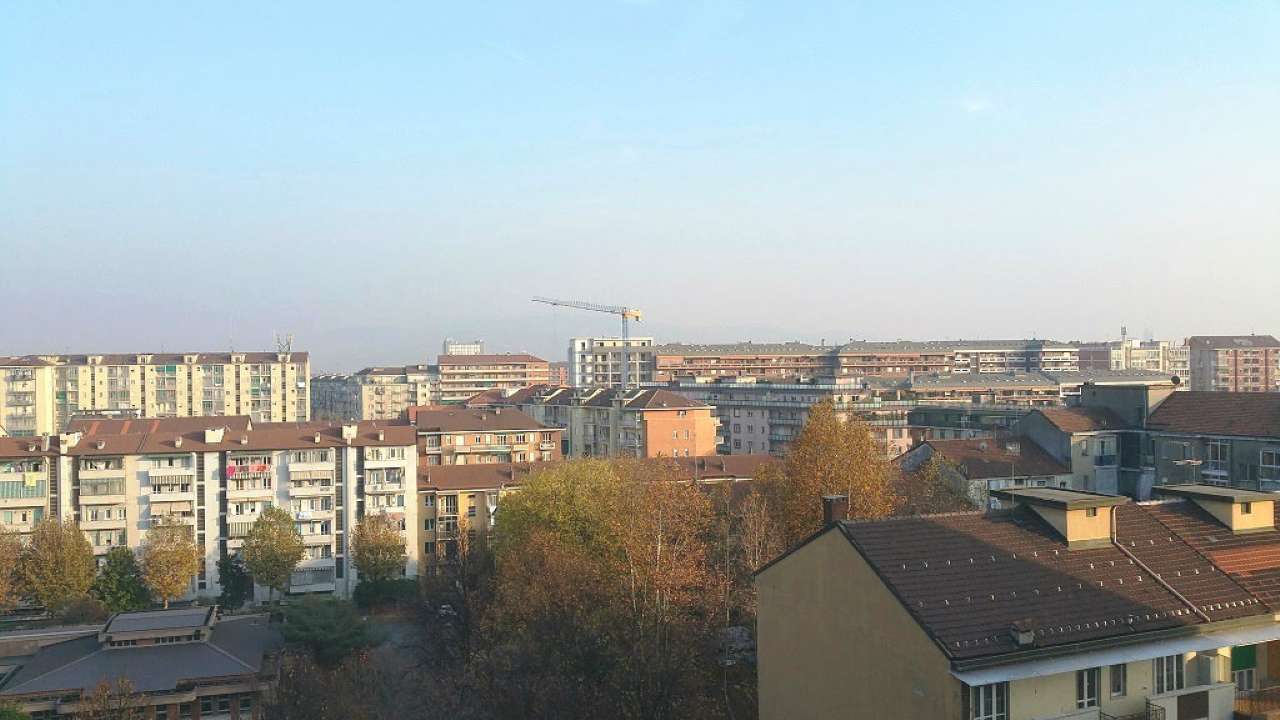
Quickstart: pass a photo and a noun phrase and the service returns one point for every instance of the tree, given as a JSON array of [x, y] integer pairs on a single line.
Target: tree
[[237, 585], [111, 701], [377, 549], [57, 564], [831, 456], [169, 559], [930, 489], [273, 549], [10, 550], [10, 711], [119, 585], [330, 629]]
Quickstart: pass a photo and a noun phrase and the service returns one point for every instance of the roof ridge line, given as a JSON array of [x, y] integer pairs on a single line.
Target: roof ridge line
[[220, 649]]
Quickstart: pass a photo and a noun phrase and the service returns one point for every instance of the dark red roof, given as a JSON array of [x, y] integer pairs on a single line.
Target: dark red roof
[[985, 459], [1218, 413], [1082, 419]]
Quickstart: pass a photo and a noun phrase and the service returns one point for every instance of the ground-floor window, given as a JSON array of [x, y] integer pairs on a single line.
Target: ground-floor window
[[989, 702]]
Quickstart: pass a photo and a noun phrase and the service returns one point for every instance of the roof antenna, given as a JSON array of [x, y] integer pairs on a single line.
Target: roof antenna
[[284, 344]]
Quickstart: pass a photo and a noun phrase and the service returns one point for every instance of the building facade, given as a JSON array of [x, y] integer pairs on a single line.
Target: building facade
[[1235, 363], [41, 394], [116, 479], [597, 361], [599, 422], [464, 376], [1064, 605], [462, 347], [455, 435], [1129, 354], [375, 393]]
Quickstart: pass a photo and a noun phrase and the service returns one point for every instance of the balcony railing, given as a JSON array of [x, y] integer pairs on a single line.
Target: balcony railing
[[1105, 460], [1258, 702]]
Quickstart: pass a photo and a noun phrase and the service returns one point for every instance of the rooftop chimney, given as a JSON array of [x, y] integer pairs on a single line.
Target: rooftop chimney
[[834, 508], [213, 436], [177, 442]]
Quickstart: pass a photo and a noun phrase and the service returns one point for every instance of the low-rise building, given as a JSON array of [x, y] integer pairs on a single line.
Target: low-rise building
[[463, 376], [975, 468], [458, 435], [1235, 363], [1087, 440], [1222, 438], [374, 393], [181, 664], [599, 422], [1065, 605]]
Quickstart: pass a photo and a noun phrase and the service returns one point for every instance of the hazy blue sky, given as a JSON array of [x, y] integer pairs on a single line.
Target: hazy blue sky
[[373, 177]]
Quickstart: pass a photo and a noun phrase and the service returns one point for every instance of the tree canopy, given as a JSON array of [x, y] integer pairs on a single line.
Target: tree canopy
[[57, 564], [377, 549], [170, 559], [330, 629], [237, 585], [273, 549], [119, 585], [10, 551]]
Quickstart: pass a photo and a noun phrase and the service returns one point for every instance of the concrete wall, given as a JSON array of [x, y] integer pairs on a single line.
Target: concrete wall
[[834, 643]]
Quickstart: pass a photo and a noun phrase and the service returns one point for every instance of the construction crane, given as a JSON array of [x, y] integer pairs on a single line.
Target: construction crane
[[627, 314]]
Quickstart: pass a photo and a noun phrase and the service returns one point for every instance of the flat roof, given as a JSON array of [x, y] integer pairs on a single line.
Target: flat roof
[[1213, 492], [1061, 498], [158, 620]]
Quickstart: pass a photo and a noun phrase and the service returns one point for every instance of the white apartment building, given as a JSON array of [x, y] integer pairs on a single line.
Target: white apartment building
[[597, 361], [40, 394], [375, 393], [116, 477], [462, 347]]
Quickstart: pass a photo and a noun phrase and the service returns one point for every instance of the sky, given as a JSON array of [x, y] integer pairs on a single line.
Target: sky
[[374, 177]]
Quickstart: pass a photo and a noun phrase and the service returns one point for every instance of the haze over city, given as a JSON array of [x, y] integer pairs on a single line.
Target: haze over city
[[375, 181]]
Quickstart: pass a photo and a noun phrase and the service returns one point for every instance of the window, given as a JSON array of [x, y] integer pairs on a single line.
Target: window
[[162, 712], [1087, 687], [1091, 512], [1119, 679], [246, 705], [989, 702], [1244, 679], [1168, 673], [1246, 508]]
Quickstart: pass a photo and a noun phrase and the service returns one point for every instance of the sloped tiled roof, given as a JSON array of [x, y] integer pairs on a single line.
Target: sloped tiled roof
[[1232, 342], [142, 426], [1218, 413], [983, 459], [463, 419], [1082, 419]]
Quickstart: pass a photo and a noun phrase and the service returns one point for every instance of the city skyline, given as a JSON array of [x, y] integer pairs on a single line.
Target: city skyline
[[375, 182]]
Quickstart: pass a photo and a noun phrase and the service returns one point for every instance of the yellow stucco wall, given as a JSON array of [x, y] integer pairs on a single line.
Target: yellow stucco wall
[[1262, 514], [834, 642]]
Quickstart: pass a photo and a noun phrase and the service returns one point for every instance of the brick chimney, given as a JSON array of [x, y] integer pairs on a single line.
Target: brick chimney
[[834, 508]]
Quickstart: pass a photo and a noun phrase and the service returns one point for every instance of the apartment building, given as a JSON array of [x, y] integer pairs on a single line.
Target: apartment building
[[977, 467], [374, 393], [462, 347], [40, 394], [558, 374], [182, 663], [1220, 438], [1235, 363], [115, 477], [599, 422], [463, 376], [1129, 354], [456, 435], [597, 361], [1064, 605], [1087, 440], [861, 359]]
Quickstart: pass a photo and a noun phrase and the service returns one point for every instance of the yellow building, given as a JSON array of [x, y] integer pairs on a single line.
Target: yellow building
[[1065, 605], [41, 394]]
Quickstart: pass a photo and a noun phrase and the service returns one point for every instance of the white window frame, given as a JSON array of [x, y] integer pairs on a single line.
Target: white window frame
[[989, 702], [1087, 682], [1168, 673]]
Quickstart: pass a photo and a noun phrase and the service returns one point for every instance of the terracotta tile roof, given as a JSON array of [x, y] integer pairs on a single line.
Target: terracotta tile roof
[[967, 578], [1081, 419], [19, 447], [499, 359], [462, 419], [1218, 413], [985, 459], [136, 426], [264, 436]]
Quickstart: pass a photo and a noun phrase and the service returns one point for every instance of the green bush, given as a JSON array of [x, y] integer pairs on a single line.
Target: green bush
[[381, 593], [84, 611]]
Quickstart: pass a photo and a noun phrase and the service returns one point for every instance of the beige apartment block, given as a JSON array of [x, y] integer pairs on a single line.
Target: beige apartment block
[[41, 394], [375, 393], [464, 376]]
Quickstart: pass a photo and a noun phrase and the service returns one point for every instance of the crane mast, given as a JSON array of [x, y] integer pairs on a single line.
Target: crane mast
[[626, 313]]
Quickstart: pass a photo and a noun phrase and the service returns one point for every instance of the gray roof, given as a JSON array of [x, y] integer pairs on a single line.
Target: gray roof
[[740, 348], [236, 646], [192, 617]]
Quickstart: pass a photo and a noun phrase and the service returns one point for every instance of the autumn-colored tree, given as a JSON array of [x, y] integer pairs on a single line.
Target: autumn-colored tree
[[116, 700], [10, 588], [57, 565], [273, 549], [170, 559], [930, 489], [607, 596], [377, 549], [830, 457]]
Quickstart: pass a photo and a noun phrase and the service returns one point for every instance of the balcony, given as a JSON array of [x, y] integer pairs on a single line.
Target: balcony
[[168, 494], [548, 445], [171, 475], [309, 490], [112, 499], [19, 492], [1104, 460], [317, 539], [104, 524], [251, 493], [324, 514], [384, 488]]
